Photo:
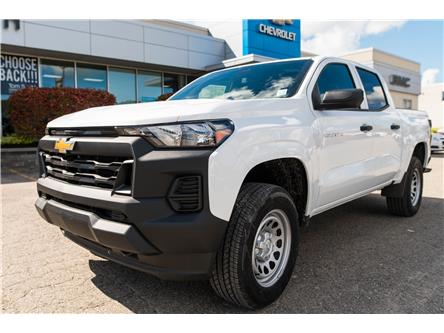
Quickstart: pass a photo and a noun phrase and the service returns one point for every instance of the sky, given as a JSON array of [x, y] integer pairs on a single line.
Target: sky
[[418, 40]]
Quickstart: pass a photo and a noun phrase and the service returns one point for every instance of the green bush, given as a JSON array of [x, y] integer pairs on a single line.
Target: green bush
[[15, 140]]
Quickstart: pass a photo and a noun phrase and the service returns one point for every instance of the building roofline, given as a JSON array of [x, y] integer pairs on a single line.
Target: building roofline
[[238, 61], [373, 49], [180, 25], [250, 59], [309, 54]]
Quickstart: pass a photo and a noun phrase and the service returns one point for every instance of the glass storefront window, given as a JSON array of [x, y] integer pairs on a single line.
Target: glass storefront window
[[191, 78], [91, 76], [149, 86], [170, 83], [122, 84], [56, 73]]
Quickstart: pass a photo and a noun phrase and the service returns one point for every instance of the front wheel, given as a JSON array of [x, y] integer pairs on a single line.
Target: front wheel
[[257, 257], [408, 203]]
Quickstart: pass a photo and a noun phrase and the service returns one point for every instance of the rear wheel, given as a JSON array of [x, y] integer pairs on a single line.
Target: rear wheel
[[256, 259], [408, 203]]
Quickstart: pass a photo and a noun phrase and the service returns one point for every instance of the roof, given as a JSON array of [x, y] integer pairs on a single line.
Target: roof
[[180, 25], [373, 49], [372, 55]]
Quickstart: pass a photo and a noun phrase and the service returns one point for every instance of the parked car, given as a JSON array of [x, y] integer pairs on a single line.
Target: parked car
[[438, 141], [215, 182]]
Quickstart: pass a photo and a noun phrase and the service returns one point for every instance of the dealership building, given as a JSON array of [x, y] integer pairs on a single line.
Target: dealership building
[[140, 60], [432, 100]]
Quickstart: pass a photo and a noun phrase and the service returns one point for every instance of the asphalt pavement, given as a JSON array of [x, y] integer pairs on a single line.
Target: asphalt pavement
[[353, 259]]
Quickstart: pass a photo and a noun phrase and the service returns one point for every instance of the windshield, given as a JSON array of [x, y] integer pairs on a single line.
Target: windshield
[[270, 80]]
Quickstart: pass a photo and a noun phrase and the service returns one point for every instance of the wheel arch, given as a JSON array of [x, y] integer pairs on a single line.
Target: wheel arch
[[234, 160], [420, 151], [289, 173], [396, 190]]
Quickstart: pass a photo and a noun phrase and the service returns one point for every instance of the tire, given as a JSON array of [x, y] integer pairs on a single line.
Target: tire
[[407, 205], [234, 278]]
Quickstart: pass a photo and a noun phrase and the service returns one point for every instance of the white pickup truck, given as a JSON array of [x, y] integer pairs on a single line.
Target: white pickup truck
[[215, 182]]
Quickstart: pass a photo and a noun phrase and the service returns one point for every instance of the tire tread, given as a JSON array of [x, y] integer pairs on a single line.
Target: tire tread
[[401, 206], [224, 278]]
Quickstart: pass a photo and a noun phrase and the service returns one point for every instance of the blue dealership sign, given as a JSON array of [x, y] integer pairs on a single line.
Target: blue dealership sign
[[272, 38]]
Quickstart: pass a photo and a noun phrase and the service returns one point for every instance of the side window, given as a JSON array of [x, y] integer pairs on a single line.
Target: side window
[[334, 76], [373, 89]]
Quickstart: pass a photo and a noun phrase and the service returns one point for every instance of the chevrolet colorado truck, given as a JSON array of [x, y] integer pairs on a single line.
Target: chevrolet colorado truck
[[215, 182]]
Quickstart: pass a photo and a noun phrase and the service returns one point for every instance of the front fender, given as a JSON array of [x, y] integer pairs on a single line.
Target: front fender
[[230, 164]]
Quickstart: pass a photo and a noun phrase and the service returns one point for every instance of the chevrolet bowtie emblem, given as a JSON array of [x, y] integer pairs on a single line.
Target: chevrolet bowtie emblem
[[282, 22], [62, 146]]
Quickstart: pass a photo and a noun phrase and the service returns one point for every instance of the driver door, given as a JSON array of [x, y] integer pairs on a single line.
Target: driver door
[[346, 141]]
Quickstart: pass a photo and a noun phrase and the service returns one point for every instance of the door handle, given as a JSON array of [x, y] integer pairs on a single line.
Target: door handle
[[395, 126], [366, 128]]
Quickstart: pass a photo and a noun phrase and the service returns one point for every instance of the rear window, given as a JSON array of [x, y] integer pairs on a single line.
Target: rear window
[[269, 80], [373, 89]]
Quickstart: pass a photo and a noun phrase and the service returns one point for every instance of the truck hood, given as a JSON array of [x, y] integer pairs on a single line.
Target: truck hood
[[142, 114]]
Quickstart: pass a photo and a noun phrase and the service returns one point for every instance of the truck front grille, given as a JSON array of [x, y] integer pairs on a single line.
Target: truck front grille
[[89, 131], [99, 171]]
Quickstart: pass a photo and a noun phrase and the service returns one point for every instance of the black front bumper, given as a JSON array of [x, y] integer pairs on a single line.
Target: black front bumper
[[153, 237]]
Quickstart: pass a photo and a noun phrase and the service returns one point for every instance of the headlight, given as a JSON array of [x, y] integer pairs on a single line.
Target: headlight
[[209, 133]]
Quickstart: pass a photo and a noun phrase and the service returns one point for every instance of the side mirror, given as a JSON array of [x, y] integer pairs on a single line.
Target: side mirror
[[342, 99]]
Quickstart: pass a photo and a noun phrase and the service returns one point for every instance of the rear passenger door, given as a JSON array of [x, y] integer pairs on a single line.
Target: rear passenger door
[[345, 149], [386, 125]]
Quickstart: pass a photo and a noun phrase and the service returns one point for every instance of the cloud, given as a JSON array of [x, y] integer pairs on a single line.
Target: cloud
[[430, 76], [336, 37]]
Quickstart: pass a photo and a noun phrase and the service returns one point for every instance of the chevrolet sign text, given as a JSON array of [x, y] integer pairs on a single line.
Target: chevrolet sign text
[[277, 32]]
